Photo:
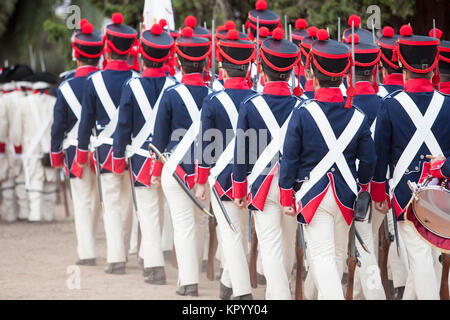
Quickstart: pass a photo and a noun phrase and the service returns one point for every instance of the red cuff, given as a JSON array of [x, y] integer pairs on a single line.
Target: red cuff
[[2, 148], [57, 159], [435, 169], [286, 197], [157, 168], [201, 174], [363, 187], [119, 165], [18, 149], [239, 189], [82, 156], [378, 191]]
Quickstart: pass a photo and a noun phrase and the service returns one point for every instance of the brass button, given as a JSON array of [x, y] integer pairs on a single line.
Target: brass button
[[416, 168], [407, 170], [333, 169], [306, 178], [421, 156]]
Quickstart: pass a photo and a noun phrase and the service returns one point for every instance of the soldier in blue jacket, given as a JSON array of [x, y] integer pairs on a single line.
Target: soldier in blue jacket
[[261, 126], [323, 139], [390, 70], [410, 125], [139, 105], [176, 128], [88, 47], [219, 115], [100, 111], [367, 56]]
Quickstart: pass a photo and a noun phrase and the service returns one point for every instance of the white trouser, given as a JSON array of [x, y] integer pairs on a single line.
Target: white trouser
[[421, 264], [327, 236], [21, 197], [167, 231], [150, 203], [83, 191], [189, 226], [368, 283], [41, 192], [8, 199], [134, 237], [117, 216], [398, 266], [309, 287], [276, 238], [235, 268]]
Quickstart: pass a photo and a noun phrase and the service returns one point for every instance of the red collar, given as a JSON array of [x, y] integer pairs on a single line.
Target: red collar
[[309, 86], [153, 73], [118, 65], [394, 79], [444, 87], [220, 75], [419, 85], [364, 88], [84, 71], [193, 79], [329, 95], [236, 83], [277, 88]]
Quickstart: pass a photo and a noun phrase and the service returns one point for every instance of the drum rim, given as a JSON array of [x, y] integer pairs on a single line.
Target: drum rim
[[436, 187]]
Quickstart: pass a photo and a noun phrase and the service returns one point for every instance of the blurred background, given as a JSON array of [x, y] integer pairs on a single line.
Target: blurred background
[[35, 32]]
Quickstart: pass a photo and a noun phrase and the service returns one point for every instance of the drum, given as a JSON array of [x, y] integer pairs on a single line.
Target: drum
[[429, 211]]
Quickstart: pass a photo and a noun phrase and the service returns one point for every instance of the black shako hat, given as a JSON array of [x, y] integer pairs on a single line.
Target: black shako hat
[[192, 49], [280, 55], [119, 38], [87, 42], [444, 51], [367, 57], [191, 21], [418, 54], [20, 72], [332, 59], [158, 46], [222, 31], [387, 44], [300, 32], [235, 53], [306, 43], [364, 35], [267, 18]]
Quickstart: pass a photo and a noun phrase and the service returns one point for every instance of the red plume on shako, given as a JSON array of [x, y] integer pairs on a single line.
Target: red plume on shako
[[267, 18]]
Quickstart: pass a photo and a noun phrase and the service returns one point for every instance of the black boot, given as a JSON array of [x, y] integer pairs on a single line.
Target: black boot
[[146, 272], [225, 292], [188, 290], [115, 268], [244, 297], [261, 279], [86, 262], [157, 275], [398, 295]]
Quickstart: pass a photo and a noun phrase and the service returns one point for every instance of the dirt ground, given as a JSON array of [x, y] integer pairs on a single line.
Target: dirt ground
[[37, 263]]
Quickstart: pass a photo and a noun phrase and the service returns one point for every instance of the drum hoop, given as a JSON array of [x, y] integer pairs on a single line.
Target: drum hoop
[[438, 188]]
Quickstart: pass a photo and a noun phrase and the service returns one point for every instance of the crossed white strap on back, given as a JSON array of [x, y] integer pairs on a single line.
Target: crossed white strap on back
[[422, 135], [382, 92], [74, 105], [275, 145], [149, 114], [189, 137], [343, 89], [336, 148], [105, 137], [227, 155], [217, 86]]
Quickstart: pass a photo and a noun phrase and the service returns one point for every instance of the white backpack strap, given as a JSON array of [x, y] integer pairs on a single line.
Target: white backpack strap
[[372, 128], [336, 149], [382, 92], [422, 135], [185, 143], [217, 86], [74, 105], [103, 94], [229, 107], [275, 145], [228, 154], [149, 114], [343, 89]]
